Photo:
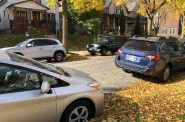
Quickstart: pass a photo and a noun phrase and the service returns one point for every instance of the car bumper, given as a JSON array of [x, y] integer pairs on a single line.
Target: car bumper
[[136, 68], [99, 102], [93, 50]]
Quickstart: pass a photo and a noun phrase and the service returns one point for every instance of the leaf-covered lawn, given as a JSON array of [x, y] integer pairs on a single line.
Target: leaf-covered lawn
[[148, 100]]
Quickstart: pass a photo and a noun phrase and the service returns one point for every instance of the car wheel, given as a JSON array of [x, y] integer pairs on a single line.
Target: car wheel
[[93, 54], [165, 74], [126, 70], [79, 111], [103, 51], [113, 52], [59, 56], [49, 60]]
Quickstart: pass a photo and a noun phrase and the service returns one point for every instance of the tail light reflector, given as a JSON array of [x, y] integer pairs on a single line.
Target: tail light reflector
[[153, 57], [120, 51]]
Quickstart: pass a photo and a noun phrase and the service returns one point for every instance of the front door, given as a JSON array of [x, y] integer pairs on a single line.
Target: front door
[[36, 19], [20, 97]]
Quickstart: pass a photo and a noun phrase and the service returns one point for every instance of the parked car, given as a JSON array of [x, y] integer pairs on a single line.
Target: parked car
[[34, 92], [40, 48], [152, 56], [105, 44]]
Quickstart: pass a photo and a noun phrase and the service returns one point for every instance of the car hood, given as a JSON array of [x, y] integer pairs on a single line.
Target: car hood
[[7, 48], [76, 74]]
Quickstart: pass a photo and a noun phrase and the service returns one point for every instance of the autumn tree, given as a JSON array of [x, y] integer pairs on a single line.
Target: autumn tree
[[80, 6], [137, 30], [122, 23]]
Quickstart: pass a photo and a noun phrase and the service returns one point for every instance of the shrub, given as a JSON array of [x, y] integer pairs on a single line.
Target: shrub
[[9, 40]]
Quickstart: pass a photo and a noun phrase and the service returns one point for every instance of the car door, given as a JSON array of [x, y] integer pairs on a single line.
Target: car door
[[176, 55], [33, 49], [181, 50], [111, 43], [49, 47], [21, 99]]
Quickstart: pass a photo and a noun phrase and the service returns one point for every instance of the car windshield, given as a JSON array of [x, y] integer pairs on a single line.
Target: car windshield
[[31, 62], [21, 44], [141, 45]]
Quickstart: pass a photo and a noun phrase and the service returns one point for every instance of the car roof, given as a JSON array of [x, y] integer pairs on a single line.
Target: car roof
[[155, 39]]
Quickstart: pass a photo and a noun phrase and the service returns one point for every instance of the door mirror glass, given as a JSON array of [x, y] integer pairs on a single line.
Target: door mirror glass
[[29, 45], [45, 87]]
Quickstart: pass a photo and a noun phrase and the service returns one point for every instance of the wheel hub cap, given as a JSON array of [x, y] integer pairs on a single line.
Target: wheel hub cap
[[80, 114], [166, 73]]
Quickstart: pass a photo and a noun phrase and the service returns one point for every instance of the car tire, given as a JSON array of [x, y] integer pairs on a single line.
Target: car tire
[[103, 51], [59, 56], [93, 54], [49, 60], [165, 74], [78, 106], [113, 52], [126, 70]]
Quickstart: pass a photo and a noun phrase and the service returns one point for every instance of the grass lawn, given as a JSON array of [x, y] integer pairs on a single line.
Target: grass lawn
[[147, 101]]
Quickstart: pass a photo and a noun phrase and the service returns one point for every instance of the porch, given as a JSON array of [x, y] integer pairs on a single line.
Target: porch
[[28, 13]]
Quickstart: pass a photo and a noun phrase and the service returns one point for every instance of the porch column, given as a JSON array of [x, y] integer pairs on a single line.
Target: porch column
[[46, 20], [108, 22], [114, 24]]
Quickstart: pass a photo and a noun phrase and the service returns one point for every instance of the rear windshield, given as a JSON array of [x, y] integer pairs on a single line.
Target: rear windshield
[[141, 45]]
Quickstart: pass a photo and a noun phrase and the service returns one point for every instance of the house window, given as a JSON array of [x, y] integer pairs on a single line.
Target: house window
[[21, 15]]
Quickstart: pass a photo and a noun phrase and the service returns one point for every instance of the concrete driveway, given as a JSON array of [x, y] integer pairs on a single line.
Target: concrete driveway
[[103, 69]]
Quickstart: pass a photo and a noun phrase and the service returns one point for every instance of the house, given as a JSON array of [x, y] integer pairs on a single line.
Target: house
[[17, 15], [112, 14], [168, 25]]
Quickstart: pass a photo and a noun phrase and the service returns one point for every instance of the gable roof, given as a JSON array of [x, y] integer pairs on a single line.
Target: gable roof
[[29, 5], [132, 5]]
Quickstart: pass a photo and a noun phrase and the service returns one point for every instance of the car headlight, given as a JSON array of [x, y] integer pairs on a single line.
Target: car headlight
[[96, 45], [95, 86]]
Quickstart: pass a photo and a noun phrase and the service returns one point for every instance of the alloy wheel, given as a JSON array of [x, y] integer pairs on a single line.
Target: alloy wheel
[[79, 114], [166, 74]]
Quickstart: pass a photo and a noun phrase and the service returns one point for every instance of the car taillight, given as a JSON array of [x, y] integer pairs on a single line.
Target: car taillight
[[153, 57], [120, 51]]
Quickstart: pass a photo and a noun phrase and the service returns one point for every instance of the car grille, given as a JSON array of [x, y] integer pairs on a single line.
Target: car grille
[[91, 45]]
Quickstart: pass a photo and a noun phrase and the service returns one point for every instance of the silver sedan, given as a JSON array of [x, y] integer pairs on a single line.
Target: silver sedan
[[34, 92]]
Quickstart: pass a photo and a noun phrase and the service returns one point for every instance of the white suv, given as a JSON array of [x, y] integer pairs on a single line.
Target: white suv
[[40, 48]]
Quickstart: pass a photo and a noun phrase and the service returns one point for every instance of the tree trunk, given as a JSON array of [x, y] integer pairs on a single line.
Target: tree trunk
[[150, 23], [64, 23], [182, 24]]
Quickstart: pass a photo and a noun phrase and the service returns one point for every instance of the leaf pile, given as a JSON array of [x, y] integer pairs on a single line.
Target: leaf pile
[[148, 100]]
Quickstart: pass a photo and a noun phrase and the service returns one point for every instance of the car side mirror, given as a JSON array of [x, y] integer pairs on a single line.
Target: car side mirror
[[45, 87], [29, 45]]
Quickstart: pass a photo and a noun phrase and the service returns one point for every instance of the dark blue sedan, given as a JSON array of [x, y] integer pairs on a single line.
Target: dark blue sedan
[[152, 56]]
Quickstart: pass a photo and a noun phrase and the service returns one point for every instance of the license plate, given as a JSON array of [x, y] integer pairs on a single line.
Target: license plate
[[131, 58]]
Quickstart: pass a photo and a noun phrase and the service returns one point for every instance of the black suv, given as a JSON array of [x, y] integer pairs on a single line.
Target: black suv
[[107, 43]]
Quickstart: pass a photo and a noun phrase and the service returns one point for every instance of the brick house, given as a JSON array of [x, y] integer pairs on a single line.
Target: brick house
[[168, 25], [112, 14], [17, 15]]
